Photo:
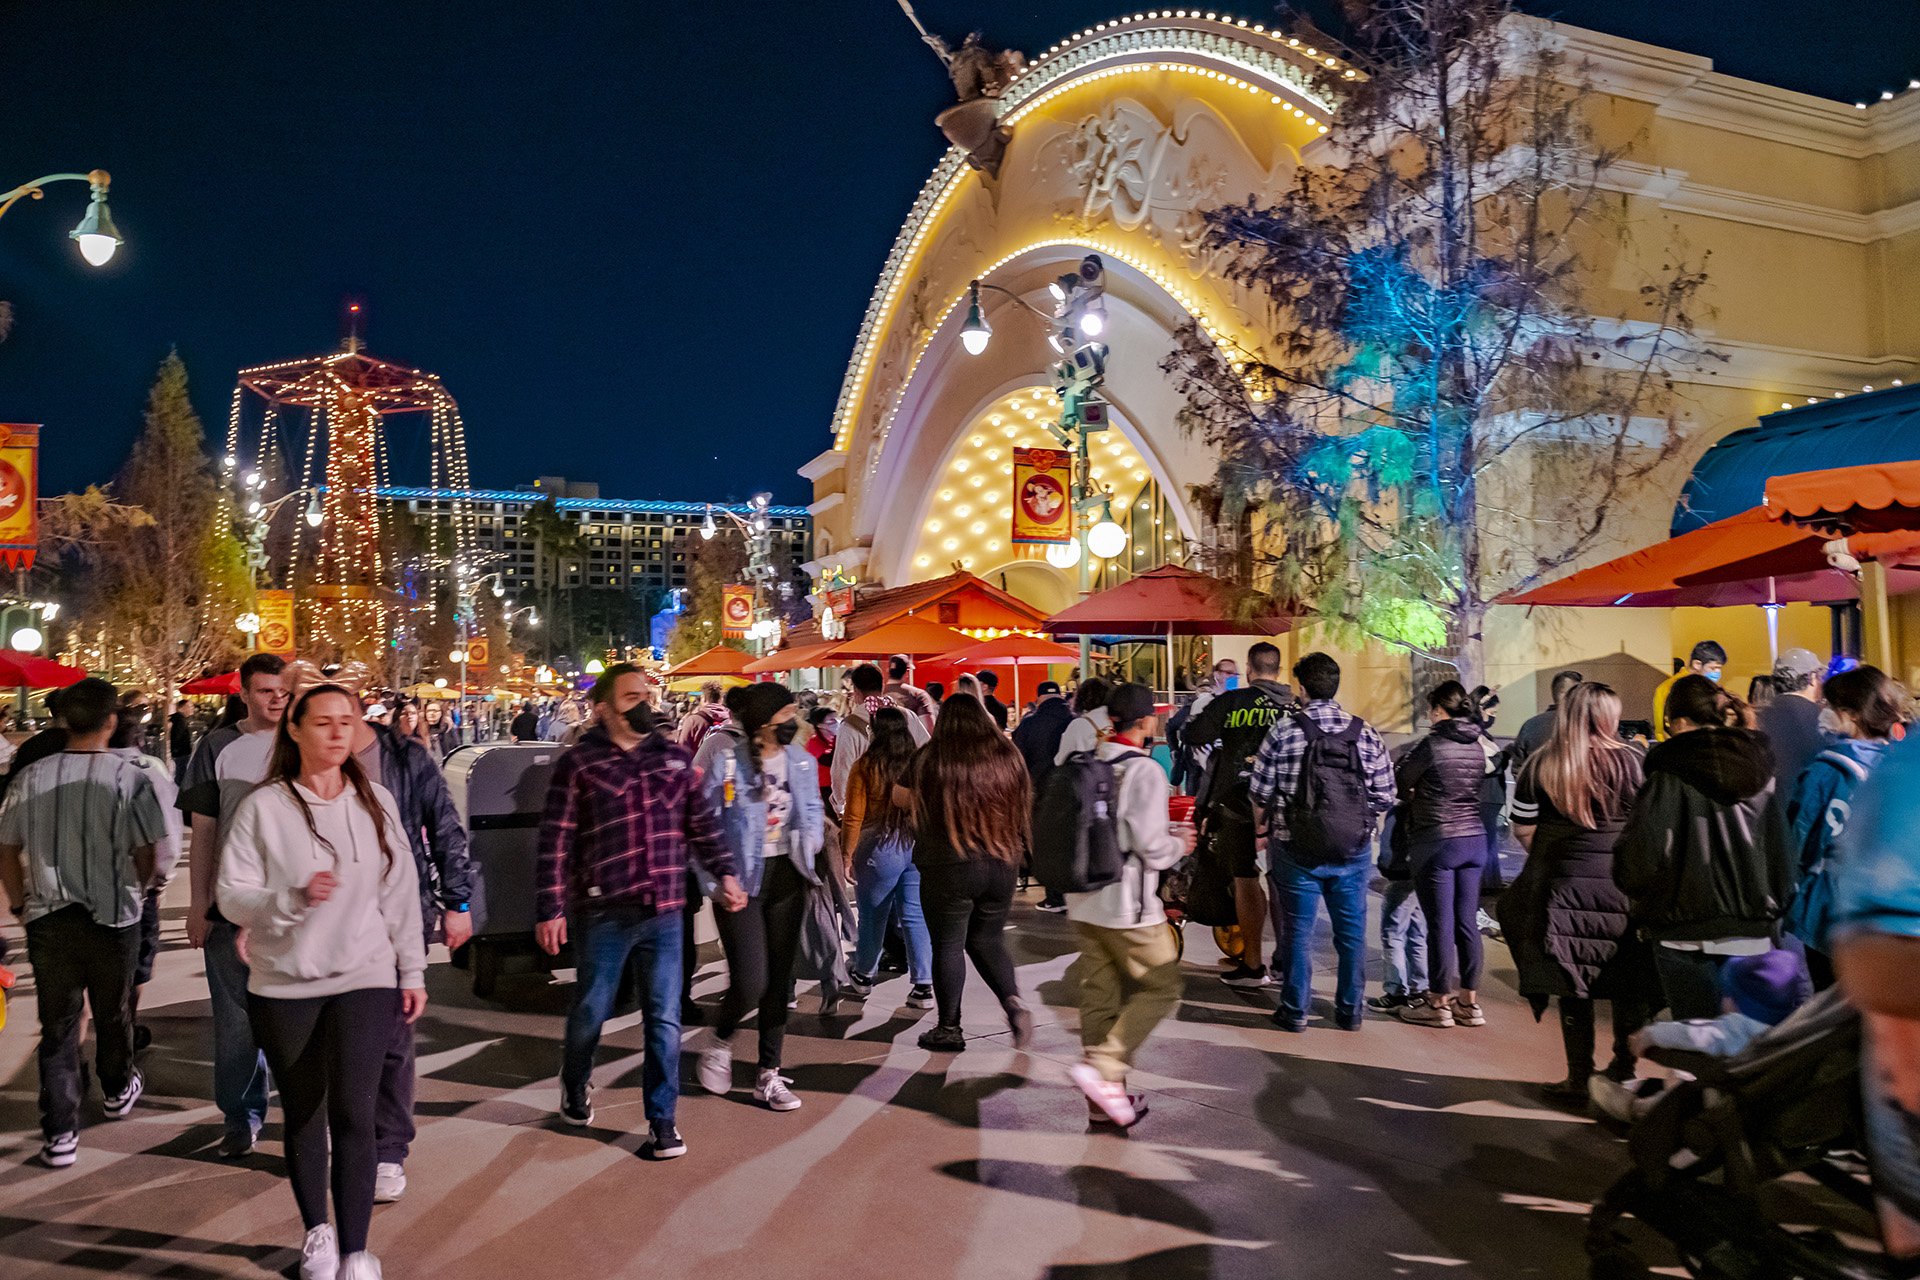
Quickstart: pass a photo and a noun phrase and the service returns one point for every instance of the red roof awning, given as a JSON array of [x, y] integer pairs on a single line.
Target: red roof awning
[[1744, 559], [717, 661], [1878, 497], [1167, 600]]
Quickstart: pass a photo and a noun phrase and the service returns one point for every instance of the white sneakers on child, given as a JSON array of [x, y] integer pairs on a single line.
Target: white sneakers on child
[[360, 1266], [320, 1255]]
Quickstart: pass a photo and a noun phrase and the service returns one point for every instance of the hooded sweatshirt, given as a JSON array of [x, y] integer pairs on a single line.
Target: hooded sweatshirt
[[1705, 854], [366, 935]]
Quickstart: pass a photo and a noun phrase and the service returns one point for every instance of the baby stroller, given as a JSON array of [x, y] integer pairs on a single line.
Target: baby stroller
[[1704, 1155]]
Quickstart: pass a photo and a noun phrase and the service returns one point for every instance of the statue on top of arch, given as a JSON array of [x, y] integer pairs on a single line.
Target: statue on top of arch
[[978, 70]]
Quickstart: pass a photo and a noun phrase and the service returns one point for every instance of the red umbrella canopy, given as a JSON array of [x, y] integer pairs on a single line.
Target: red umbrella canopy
[[804, 658], [24, 671], [717, 661], [1167, 600], [1878, 497], [209, 686], [1014, 651], [915, 637]]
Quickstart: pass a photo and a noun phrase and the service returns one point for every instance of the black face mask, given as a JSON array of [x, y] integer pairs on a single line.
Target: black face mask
[[785, 733], [640, 719]]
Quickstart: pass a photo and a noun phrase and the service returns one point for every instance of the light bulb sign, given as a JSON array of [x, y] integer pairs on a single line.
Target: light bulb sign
[[736, 611], [19, 491], [1042, 507]]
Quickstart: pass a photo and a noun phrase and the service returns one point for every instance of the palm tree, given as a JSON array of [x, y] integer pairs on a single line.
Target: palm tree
[[558, 546]]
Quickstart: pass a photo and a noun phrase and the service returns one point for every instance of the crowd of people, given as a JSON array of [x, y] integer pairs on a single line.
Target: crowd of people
[[1703, 874]]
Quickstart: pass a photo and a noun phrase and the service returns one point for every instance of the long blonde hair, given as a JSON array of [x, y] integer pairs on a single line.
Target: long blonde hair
[[1585, 768]]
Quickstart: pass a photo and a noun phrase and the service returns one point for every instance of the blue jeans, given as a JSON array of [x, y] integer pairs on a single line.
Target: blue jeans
[[885, 880], [1344, 887], [239, 1068], [603, 941], [1403, 939]]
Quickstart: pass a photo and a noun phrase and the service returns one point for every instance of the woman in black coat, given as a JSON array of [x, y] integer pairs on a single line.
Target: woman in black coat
[[1565, 919]]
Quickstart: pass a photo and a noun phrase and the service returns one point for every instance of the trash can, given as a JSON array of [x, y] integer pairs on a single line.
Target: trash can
[[499, 790]]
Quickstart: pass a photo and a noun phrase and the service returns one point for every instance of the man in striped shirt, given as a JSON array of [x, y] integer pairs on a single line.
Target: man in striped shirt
[[87, 820]]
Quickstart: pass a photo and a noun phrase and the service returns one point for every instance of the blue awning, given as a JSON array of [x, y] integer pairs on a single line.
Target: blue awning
[[1873, 426]]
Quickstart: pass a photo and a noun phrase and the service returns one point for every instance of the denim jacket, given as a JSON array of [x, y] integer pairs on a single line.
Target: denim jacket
[[745, 820]]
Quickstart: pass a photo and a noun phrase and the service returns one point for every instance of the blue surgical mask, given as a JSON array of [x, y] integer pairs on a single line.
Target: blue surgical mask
[[1712, 675], [1230, 682]]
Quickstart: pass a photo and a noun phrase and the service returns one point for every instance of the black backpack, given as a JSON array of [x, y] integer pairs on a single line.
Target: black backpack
[[1076, 840], [1331, 817]]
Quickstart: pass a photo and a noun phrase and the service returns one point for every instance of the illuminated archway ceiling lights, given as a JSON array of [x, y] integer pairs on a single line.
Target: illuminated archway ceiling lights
[[970, 519], [1241, 55]]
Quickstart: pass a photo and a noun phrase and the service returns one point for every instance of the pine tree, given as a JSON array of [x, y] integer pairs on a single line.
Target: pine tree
[[1454, 394]]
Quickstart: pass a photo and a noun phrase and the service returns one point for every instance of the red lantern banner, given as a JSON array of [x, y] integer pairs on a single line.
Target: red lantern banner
[[1042, 495], [736, 611], [19, 494]]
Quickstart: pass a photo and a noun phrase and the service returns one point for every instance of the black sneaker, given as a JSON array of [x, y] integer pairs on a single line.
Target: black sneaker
[[1245, 979], [1020, 1022], [860, 985], [944, 1040], [920, 996], [122, 1102], [666, 1142], [1348, 1019], [1289, 1021], [1052, 906], [238, 1143], [1389, 1002], [576, 1105]]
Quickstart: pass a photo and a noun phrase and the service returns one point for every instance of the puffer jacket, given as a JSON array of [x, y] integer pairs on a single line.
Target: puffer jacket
[[1567, 922], [1705, 854], [1439, 782]]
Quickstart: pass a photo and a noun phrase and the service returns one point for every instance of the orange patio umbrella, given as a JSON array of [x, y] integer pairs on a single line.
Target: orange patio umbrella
[[918, 638], [1015, 651], [1877, 497], [1745, 559], [717, 661], [803, 658], [1166, 601]]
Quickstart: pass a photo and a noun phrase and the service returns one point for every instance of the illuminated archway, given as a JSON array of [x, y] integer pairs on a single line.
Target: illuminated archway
[[1123, 137]]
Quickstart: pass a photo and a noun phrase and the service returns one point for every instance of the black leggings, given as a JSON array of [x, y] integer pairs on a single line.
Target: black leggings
[[966, 908], [762, 941], [326, 1053], [1577, 1034]]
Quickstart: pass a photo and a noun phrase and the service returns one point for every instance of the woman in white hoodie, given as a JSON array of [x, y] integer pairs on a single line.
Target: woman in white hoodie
[[315, 867]]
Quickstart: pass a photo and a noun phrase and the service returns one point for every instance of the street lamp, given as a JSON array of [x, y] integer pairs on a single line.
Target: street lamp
[[27, 640], [757, 528], [96, 235], [1079, 317]]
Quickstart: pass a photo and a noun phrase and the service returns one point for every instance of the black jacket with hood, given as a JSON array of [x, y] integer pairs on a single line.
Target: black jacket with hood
[[1705, 854]]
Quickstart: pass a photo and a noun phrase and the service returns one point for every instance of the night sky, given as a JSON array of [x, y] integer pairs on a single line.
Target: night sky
[[635, 239]]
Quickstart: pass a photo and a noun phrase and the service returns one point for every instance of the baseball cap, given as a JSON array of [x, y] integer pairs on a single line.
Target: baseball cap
[[1047, 687], [1798, 662]]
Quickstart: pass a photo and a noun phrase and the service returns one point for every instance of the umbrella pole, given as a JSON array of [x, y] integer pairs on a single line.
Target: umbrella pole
[[1772, 607]]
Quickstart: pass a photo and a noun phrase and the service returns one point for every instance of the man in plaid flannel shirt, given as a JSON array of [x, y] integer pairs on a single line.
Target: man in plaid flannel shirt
[[1275, 785], [623, 815]]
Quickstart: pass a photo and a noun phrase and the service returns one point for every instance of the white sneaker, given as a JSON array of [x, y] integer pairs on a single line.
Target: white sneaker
[[389, 1182], [360, 1266], [713, 1061], [320, 1255], [772, 1089], [1108, 1095], [61, 1150]]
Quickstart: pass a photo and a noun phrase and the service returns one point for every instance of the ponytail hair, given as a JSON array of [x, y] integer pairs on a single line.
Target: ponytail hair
[[1452, 700], [1700, 701], [285, 767]]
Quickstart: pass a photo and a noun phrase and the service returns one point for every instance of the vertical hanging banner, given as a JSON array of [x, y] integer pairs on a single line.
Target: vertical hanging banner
[[19, 493], [479, 652], [1042, 508], [736, 611], [276, 623]]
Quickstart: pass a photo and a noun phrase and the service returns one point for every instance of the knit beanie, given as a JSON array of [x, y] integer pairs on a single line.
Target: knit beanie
[[753, 705], [1762, 986]]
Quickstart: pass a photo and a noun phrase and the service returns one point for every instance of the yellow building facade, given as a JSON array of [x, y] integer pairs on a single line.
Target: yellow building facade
[[1122, 136]]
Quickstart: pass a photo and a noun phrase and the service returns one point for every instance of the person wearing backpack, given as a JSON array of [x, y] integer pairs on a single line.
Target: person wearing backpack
[[1439, 781], [1862, 706], [1129, 967], [1320, 783], [1086, 731], [1230, 730]]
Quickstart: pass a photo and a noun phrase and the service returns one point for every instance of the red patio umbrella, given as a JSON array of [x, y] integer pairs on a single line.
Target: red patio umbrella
[[802, 658], [918, 638], [1878, 497], [24, 671], [1167, 601], [210, 686], [1014, 651]]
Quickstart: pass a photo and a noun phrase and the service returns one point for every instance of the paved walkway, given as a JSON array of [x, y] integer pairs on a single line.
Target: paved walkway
[[1396, 1151]]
